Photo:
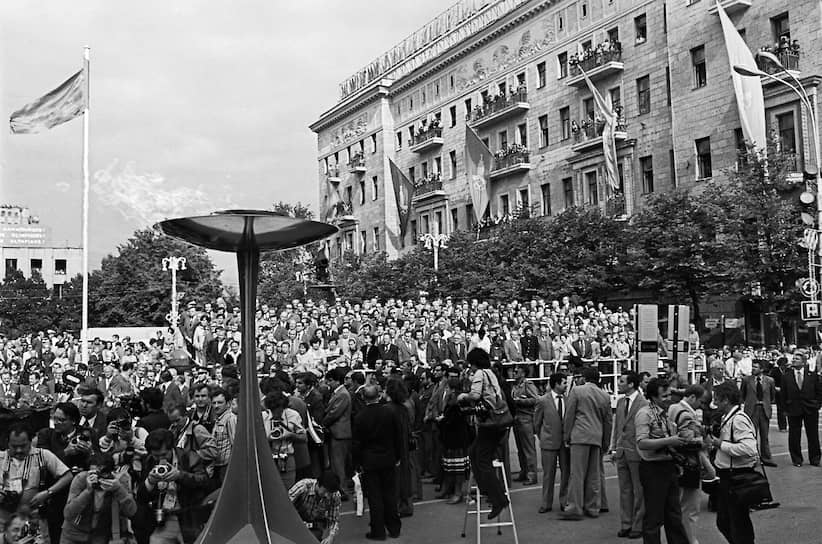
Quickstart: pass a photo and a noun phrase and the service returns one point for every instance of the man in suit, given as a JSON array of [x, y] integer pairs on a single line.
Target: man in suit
[[802, 392], [406, 347], [545, 344], [112, 384], [234, 355], [91, 416], [217, 348], [524, 395], [370, 352], [587, 429], [625, 456], [388, 351], [9, 392], [337, 422], [377, 449], [457, 348], [529, 344], [437, 349], [172, 396], [548, 423], [582, 350], [758, 396]]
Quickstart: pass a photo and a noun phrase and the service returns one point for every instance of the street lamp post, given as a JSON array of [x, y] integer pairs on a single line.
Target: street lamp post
[[799, 90], [174, 264], [435, 242]]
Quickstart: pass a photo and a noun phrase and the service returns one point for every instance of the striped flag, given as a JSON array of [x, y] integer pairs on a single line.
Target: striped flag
[[749, 99], [63, 104], [608, 140], [477, 167]]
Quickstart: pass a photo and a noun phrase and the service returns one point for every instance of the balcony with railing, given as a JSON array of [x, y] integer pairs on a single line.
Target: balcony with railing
[[343, 213], [786, 52], [334, 175], [511, 160], [615, 207], [588, 134], [357, 164], [499, 107], [426, 138], [427, 189], [602, 61]]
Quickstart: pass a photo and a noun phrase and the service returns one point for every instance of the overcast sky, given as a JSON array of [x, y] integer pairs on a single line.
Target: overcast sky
[[195, 106]]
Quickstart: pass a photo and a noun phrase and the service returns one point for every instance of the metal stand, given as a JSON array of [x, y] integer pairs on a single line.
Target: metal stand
[[473, 490], [254, 506]]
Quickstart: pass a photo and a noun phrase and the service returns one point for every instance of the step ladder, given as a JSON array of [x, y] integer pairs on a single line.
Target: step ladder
[[475, 500]]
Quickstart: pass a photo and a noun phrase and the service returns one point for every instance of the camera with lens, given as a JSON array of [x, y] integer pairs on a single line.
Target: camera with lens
[[276, 433], [161, 470], [9, 500], [82, 436], [281, 459]]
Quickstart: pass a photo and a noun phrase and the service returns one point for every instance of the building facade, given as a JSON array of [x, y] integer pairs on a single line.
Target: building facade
[[508, 70], [26, 245]]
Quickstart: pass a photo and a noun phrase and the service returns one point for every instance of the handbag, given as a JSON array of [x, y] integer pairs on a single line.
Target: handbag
[[496, 415], [749, 488]]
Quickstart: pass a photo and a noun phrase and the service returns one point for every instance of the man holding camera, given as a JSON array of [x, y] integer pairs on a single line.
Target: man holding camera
[[31, 476], [318, 504], [173, 482]]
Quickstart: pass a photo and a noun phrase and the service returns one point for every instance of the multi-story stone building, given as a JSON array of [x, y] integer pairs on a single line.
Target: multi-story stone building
[[26, 245], [662, 65]]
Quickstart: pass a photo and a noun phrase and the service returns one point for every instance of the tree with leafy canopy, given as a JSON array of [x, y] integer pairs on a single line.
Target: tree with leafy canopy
[[27, 305], [131, 289]]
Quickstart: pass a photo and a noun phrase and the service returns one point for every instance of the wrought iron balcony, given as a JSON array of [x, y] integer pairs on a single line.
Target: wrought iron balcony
[[334, 174], [344, 212], [499, 108], [588, 135], [510, 161], [788, 55], [429, 188], [357, 164], [427, 139], [597, 63]]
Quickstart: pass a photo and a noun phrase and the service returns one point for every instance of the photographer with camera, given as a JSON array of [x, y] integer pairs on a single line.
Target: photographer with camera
[[283, 426], [19, 530], [120, 440], [99, 505], [318, 504], [172, 485], [193, 437], [31, 477], [72, 445]]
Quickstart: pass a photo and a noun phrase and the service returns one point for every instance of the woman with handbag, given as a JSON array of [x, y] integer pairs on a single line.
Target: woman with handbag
[[494, 419], [736, 458]]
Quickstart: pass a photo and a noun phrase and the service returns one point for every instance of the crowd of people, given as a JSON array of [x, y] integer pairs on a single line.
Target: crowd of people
[[394, 396]]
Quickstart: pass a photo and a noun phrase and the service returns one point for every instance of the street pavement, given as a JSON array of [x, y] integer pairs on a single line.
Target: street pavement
[[796, 521]]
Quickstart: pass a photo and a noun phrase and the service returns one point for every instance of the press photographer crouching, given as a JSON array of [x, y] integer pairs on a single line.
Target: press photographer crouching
[[318, 504], [172, 486], [494, 418], [100, 502], [30, 478]]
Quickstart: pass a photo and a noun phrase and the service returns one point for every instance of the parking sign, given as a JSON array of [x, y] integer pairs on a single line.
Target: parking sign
[[811, 310]]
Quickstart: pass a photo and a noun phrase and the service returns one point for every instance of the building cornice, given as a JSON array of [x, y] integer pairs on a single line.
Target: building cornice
[[352, 104]]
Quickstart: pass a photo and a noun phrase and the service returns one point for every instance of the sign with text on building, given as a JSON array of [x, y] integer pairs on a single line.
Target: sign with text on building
[[24, 235], [811, 310]]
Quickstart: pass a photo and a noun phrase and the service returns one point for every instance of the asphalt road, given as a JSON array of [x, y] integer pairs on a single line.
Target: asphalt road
[[796, 521]]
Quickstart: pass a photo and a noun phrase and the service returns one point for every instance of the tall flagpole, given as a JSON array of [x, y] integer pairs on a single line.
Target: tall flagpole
[[84, 333]]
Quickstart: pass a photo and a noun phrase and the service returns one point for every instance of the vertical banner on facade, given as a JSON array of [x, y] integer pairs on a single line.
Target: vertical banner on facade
[[647, 336], [678, 319], [403, 193], [477, 167]]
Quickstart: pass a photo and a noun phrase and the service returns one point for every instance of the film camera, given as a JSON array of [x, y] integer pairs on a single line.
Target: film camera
[[276, 433], [161, 470], [83, 436]]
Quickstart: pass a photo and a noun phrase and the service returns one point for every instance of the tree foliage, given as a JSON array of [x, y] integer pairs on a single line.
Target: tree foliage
[[131, 289], [27, 305]]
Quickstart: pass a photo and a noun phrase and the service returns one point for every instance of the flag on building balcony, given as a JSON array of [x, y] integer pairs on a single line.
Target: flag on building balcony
[[56, 107], [748, 90], [403, 193], [334, 200], [608, 131], [477, 167]]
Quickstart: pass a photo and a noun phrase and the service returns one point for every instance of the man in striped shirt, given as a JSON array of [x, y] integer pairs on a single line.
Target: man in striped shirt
[[318, 504]]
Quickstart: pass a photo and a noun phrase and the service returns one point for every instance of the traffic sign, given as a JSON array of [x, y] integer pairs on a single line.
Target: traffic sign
[[809, 287], [811, 310]]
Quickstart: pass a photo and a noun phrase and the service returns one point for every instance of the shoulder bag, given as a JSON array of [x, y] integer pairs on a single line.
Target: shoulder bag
[[496, 416]]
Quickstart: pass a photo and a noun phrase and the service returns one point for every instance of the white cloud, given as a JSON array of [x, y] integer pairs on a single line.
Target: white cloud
[[146, 198], [62, 186]]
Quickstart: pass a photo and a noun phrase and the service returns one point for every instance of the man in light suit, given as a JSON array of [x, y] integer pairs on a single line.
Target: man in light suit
[[802, 392], [9, 392], [626, 458], [513, 348], [112, 384], [587, 430], [758, 396], [546, 344], [548, 423], [337, 423], [406, 346]]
